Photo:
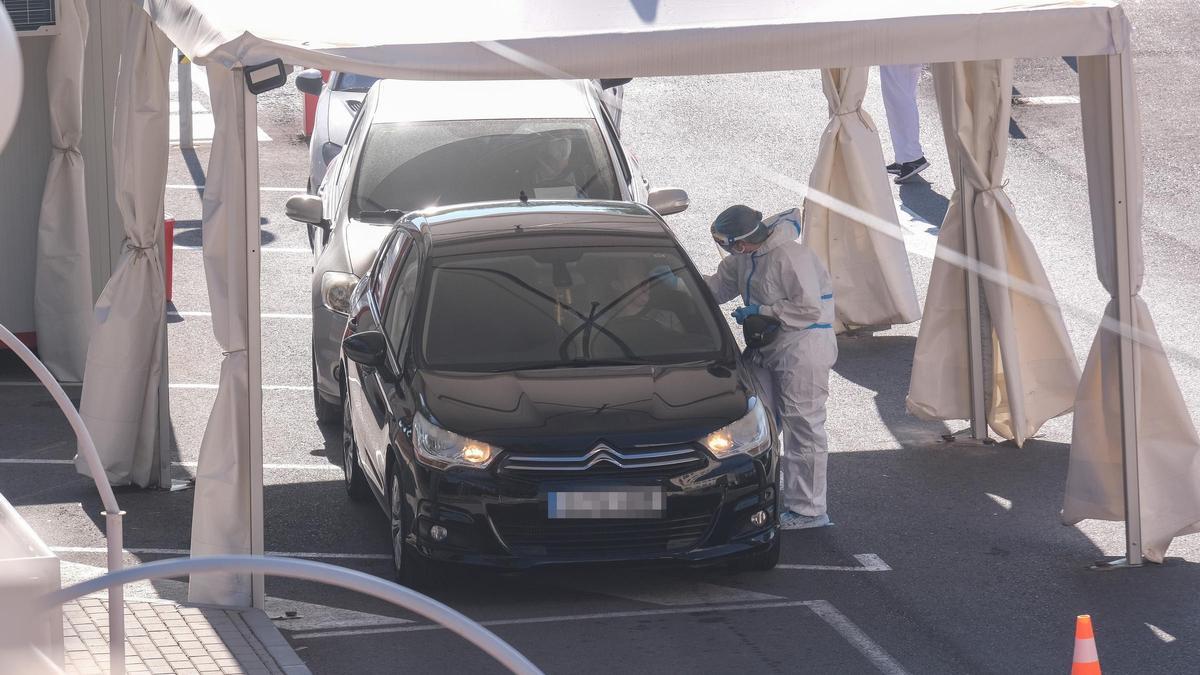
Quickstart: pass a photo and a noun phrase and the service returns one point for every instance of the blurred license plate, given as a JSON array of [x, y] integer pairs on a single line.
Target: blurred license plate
[[625, 503]]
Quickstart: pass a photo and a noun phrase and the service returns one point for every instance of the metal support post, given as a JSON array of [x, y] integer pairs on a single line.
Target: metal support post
[[249, 115], [966, 200], [184, 94], [116, 594], [1128, 369]]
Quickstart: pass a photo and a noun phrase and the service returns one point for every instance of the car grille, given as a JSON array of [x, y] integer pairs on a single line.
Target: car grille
[[598, 539], [606, 460]]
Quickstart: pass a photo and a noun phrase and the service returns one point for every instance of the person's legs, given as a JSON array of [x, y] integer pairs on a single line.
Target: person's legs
[[801, 379], [899, 85]]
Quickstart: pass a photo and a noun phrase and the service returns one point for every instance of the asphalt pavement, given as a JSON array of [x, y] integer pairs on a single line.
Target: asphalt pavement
[[945, 558]]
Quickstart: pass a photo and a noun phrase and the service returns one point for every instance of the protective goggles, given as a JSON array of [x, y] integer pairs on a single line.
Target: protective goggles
[[728, 242]]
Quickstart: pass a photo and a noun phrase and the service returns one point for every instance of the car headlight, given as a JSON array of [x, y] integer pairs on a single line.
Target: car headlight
[[336, 289], [440, 448], [750, 435], [329, 151]]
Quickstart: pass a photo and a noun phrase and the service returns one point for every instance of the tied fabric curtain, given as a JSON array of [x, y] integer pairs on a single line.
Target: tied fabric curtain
[[872, 282], [221, 508], [1168, 448], [62, 295], [120, 402], [1033, 369]]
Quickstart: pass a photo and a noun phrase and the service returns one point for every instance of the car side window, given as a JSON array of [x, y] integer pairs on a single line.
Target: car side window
[[616, 141], [403, 297], [394, 249]]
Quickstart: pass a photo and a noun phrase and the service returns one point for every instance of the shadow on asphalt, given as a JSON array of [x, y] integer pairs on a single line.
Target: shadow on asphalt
[[872, 362], [918, 197], [189, 233]]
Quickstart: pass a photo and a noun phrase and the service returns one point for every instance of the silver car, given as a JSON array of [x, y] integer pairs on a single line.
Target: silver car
[[415, 145]]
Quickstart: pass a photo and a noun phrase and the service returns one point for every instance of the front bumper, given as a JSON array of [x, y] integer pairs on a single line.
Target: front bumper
[[496, 520]]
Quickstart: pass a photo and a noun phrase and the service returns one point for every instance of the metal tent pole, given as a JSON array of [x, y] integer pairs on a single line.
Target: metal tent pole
[[184, 96], [1128, 365], [248, 114], [966, 198]]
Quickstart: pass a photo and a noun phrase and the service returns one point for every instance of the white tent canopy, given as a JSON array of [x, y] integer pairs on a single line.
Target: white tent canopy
[[466, 39], [517, 39]]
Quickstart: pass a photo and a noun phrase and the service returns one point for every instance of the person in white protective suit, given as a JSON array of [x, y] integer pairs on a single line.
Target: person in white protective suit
[[778, 276]]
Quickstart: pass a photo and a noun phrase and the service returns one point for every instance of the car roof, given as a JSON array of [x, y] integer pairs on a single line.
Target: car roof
[[505, 225], [421, 101]]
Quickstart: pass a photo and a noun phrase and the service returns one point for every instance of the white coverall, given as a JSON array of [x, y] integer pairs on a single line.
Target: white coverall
[[787, 280], [899, 85]]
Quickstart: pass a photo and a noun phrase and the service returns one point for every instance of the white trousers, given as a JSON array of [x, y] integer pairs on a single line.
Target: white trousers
[[794, 378], [899, 84]]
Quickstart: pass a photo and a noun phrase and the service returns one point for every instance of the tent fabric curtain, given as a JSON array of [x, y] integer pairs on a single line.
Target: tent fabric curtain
[[221, 508], [120, 402], [1033, 369], [62, 295], [869, 268], [1167, 444]]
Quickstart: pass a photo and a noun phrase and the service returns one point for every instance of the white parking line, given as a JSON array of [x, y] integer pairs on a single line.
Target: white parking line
[[856, 637], [265, 387], [845, 628], [267, 315], [868, 562], [200, 188], [1045, 100], [655, 590], [599, 616], [186, 465], [264, 249], [185, 552]]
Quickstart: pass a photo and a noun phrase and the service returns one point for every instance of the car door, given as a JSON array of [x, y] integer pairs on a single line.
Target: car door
[[392, 283], [398, 321]]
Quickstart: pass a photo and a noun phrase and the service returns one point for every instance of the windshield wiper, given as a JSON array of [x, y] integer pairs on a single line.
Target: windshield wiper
[[390, 214], [573, 363]]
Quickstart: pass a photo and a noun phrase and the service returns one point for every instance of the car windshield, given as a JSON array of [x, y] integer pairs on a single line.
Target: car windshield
[[567, 307], [352, 82], [409, 166]]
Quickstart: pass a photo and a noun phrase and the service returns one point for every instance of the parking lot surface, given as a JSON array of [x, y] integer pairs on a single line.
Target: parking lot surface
[[944, 558]]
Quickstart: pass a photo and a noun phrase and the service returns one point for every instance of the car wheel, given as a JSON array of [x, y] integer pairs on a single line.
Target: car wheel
[[411, 568], [326, 412], [356, 482], [763, 561]]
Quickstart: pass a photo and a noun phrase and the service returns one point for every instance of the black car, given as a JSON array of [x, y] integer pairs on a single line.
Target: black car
[[547, 383]]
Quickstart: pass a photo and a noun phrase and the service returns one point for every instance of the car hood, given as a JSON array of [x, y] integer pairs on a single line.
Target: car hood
[[571, 409], [362, 242]]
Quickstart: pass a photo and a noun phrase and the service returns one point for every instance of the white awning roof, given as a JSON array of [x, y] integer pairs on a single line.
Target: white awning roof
[[520, 39]]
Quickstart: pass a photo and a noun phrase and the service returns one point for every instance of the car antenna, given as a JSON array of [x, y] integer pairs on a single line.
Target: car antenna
[[523, 197]]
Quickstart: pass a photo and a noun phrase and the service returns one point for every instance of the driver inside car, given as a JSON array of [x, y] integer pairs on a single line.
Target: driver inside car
[[636, 313], [552, 177]]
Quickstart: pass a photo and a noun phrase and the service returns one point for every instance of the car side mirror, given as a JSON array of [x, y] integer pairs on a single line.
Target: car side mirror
[[667, 201], [310, 81], [306, 208], [613, 82], [368, 348]]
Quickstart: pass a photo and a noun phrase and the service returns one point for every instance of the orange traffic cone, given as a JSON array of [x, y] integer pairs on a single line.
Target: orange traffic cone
[[1086, 660]]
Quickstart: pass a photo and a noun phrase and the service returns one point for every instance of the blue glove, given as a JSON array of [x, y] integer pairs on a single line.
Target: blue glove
[[741, 313]]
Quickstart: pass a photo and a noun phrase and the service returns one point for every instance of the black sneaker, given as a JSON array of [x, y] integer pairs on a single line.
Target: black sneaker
[[893, 168], [910, 169]]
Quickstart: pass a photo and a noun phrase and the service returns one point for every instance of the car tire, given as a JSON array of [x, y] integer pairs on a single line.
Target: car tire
[[326, 412], [356, 483], [410, 567], [762, 561]]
